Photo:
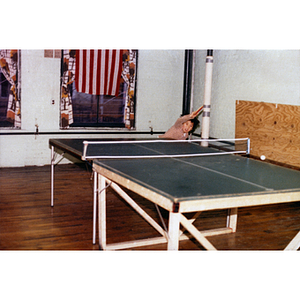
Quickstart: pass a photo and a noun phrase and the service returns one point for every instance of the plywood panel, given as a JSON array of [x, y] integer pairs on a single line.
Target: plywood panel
[[273, 130]]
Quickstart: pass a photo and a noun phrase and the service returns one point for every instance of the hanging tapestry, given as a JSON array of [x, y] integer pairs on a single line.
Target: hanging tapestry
[[129, 76], [68, 76], [9, 68]]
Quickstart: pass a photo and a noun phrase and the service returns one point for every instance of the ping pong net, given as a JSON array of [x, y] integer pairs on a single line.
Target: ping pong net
[[160, 148]]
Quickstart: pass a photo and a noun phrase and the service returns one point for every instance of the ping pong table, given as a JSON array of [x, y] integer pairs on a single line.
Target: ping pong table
[[173, 178]]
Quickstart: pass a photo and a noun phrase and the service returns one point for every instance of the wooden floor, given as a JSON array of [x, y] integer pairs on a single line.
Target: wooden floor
[[27, 222]]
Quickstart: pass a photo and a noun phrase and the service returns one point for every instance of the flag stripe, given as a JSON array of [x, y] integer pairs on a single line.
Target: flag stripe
[[91, 69], [77, 71], [98, 72], [94, 78], [114, 69], [102, 72], [83, 78], [109, 71], [87, 71], [106, 70]]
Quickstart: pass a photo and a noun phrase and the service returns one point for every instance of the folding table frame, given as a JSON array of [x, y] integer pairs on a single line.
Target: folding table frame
[[173, 235]]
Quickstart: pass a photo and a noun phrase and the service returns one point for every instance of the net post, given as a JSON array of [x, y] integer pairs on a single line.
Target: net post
[[248, 146], [85, 145]]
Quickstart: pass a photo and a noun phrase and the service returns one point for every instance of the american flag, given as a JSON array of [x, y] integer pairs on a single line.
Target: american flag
[[98, 72]]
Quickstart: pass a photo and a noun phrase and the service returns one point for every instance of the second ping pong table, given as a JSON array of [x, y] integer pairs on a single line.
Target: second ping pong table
[[184, 185]]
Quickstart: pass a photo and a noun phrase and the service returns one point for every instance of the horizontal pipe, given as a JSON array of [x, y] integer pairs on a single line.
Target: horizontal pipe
[[81, 132]]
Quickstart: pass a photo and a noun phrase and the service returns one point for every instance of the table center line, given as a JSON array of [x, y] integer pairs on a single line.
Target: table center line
[[214, 171], [226, 175]]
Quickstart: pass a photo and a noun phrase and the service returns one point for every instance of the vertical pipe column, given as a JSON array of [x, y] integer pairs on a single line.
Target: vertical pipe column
[[192, 82], [207, 97], [192, 87], [188, 69]]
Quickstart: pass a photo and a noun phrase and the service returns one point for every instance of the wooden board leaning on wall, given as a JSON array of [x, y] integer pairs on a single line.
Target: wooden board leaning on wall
[[273, 129]]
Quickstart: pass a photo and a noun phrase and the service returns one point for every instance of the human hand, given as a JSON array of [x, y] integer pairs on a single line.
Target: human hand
[[194, 114]]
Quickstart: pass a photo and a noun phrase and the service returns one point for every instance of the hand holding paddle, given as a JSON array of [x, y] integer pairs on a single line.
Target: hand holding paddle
[[197, 112]]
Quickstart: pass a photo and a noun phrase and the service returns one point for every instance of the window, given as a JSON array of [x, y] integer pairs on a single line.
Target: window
[[4, 92], [10, 113], [98, 110], [98, 106]]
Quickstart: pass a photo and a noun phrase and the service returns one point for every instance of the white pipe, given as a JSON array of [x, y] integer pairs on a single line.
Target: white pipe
[[207, 99]]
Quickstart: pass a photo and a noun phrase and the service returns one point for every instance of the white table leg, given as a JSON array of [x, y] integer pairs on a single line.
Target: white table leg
[[95, 207], [102, 211], [174, 222], [232, 218]]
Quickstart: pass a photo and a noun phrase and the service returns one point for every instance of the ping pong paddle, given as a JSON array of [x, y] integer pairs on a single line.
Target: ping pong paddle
[[199, 110]]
